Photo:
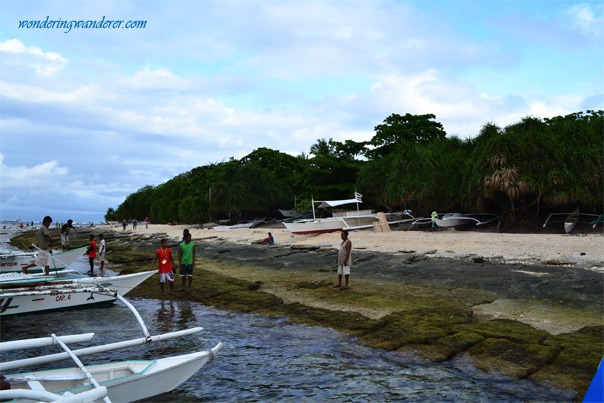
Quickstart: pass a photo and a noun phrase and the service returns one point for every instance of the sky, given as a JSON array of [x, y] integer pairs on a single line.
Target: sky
[[90, 115]]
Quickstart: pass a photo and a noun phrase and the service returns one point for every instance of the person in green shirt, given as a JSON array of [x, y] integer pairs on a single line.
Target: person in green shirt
[[186, 261]]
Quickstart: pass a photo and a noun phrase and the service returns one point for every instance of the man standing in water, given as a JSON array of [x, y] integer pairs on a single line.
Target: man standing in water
[[91, 252], [186, 261], [102, 251], [344, 260], [44, 242], [165, 262]]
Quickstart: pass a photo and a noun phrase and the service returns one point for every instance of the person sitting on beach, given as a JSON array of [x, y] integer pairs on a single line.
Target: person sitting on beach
[[269, 239], [165, 263], [65, 229], [44, 242]]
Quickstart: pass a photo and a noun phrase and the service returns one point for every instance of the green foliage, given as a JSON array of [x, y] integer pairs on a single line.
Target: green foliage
[[518, 172], [404, 130]]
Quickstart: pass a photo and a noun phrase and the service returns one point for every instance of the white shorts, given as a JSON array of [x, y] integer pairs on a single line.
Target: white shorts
[[345, 270], [64, 239], [101, 256], [163, 277], [43, 259]]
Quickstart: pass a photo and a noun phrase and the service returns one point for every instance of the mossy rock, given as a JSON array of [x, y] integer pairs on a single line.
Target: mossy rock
[[591, 337], [421, 326], [512, 358], [352, 322], [573, 368], [447, 347], [505, 329], [243, 301]]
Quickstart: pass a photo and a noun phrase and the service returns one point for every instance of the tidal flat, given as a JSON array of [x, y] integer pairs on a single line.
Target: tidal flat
[[541, 322]]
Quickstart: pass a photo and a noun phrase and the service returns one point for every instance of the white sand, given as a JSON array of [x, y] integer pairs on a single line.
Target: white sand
[[586, 251], [581, 250]]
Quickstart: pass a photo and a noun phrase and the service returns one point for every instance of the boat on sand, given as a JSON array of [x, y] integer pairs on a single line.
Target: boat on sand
[[343, 220], [571, 220]]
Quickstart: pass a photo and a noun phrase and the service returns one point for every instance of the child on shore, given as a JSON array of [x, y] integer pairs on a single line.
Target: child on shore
[[165, 262]]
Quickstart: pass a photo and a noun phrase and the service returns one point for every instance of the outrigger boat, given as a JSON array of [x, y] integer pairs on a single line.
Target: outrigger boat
[[573, 218], [47, 293], [457, 219], [13, 261], [122, 381], [346, 220]]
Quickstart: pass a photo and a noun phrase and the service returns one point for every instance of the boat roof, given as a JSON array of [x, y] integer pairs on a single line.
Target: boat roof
[[335, 203]]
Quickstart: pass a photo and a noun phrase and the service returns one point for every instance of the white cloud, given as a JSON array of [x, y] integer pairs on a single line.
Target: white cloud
[[589, 18], [45, 64]]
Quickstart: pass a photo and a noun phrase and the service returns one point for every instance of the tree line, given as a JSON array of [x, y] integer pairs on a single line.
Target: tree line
[[520, 172]]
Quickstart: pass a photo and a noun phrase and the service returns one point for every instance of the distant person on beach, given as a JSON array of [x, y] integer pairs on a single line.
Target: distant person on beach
[[65, 230], [186, 261], [344, 260], [134, 224], [269, 239], [146, 222], [434, 217], [165, 264], [102, 251], [44, 242], [124, 224], [91, 252]]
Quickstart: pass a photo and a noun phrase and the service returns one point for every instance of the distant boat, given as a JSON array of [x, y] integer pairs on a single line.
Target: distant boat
[[346, 220], [572, 219], [12, 261], [457, 219]]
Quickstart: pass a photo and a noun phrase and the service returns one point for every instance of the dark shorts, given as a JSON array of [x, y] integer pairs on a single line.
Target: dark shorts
[[186, 269]]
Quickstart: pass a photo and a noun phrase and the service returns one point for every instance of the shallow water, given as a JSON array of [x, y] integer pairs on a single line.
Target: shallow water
[[271, 359]]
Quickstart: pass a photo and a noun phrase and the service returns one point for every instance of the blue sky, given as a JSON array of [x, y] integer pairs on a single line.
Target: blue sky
[[90, 116]]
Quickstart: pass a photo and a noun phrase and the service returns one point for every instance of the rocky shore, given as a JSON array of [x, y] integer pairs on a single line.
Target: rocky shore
[[507, 303]]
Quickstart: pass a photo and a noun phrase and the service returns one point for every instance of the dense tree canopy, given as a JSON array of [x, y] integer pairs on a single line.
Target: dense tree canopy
[[519, 172]]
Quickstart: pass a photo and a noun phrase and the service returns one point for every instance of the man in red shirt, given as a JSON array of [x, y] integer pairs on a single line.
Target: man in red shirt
[[165, 263]]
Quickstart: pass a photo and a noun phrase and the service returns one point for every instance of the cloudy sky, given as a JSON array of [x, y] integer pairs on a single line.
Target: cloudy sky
[[90, 115]]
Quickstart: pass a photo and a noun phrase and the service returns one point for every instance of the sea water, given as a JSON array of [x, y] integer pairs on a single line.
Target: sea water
[[270, 359]]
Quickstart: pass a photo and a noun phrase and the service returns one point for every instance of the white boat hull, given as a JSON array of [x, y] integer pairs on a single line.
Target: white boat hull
[[332, 224], [450, 220], [13, 261], [125, 381], [20, 297]]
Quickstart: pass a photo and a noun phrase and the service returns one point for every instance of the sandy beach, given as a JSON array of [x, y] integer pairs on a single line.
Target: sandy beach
[[586, 251]]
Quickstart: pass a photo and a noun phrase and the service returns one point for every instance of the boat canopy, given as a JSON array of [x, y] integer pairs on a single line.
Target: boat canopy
[[335, 203]]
